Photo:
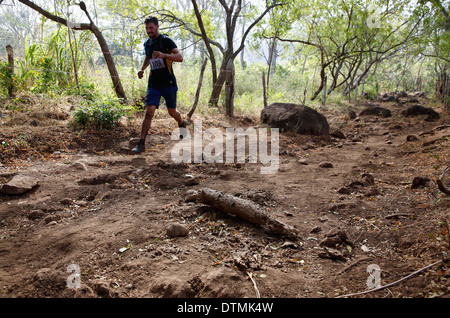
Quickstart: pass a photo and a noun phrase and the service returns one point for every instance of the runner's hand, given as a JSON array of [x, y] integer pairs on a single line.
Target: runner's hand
[[158, 55], [141, 74]]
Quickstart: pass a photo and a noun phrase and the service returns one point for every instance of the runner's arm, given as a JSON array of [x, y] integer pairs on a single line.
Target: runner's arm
[[174, 56], [144, 66]]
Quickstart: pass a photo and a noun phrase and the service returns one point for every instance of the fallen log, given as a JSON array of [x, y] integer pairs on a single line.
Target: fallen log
[[245, 209]]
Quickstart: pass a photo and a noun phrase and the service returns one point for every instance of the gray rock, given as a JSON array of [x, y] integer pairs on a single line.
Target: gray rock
[[292, 117], [418, 110], [19, 184], [376, 111]]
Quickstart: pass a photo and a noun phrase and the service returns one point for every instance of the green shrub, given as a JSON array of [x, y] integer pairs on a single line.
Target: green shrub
[[86, 90], [6, 77], [99, 115], [47, 78]]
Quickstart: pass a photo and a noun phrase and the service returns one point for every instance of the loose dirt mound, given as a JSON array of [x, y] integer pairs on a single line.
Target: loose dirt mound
[[107, 213]]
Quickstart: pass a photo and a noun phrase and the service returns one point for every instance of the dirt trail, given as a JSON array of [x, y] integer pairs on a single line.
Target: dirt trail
[[108, 212]]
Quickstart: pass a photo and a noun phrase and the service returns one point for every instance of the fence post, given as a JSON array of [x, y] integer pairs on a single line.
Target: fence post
[[10, 52]]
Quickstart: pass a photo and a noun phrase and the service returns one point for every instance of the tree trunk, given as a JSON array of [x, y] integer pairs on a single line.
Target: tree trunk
[[229, 89], [273, 54], [110, 63], [10, 52], [98, 34], [324, 92], [74, 62], [264, 89], [199, 86], [244, 14], [215, 94], [206, 42]]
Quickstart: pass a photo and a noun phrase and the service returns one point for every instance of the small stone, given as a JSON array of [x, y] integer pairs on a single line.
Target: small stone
[[192, 181], [344, 190], [326, 165], [332, 253], [323, 219], [66, 201], [419, 182], [52, 218], [316, 229], [289, 245], [177, 230], [412, 138], [336, 133], [35, 214], [80, 166]]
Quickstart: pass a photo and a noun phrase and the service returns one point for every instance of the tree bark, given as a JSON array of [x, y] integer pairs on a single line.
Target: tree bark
[[264, 89], [215, 94], [10, 52], [245, 209], [229, 89]]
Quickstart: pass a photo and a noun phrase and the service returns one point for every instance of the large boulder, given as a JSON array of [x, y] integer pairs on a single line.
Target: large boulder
[[293, 117], [418, 110]]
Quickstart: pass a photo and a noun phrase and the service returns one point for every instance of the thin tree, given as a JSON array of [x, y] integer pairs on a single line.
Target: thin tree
[[98, 34], [233, 10]]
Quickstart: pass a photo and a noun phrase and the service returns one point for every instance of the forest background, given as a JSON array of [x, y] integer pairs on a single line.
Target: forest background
[[258, 52]]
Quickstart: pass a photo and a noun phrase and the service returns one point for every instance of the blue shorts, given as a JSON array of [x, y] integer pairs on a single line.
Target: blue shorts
[[153, 97]]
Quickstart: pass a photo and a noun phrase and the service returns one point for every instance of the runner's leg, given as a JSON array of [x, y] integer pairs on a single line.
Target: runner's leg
[[146, 124]]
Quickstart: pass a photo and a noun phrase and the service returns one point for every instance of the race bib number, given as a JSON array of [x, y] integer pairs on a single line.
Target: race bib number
[[157, 64]]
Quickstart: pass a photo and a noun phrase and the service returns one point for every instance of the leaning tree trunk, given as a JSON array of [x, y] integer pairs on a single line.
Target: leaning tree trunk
[[98, 34], [110, 63]]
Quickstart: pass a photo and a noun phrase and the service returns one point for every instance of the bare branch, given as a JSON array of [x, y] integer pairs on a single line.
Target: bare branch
[[244, 37], [48, 15]]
